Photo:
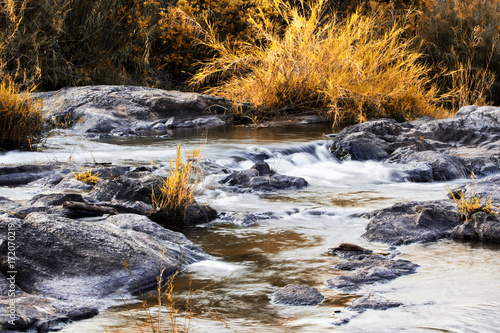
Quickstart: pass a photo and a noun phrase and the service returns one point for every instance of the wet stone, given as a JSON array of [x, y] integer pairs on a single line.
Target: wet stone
[[297, 295]]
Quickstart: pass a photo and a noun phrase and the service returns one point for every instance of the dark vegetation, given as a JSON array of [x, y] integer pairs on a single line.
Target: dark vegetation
[[348, 60]]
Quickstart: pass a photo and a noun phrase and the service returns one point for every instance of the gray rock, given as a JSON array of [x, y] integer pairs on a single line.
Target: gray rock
[[428, 221], [372, 303], [405, 223], [260, 178], [429, 149], [349, 251], [74, 265], [129, 110], [368, 268], [298, 295], [481, 226], [134, 186], [23, 174]]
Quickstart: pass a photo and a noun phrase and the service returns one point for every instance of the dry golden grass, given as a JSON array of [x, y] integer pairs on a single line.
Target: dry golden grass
[[87, 176], [176, 192], [21, 122], [471, 203], [349, 70], [170, 313]]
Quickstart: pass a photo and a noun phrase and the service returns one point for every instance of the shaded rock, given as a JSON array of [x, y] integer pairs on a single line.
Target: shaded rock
[[245, 219], [24, 174], [39, 314], [406, 223], [179, 218], [55, 199], [370, 270], [260, 178], [129, 110], [481, 226], [348, 250], [69, 182], [429, 149], [297, 295], [134, 186], [361, 146], [7, 205], [428, 166], [367, 267], [372, 303], [80, 264]]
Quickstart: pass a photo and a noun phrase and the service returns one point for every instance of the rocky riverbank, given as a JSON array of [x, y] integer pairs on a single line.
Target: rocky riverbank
[[80, 236], [433, 150]]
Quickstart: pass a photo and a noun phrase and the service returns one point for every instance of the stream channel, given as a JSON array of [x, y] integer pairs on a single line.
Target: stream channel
[[456, 288]]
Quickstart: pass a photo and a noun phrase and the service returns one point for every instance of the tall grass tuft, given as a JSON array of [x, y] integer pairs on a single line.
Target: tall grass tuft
[[470, 204], [174, 194], [347, 69], [21, 122]]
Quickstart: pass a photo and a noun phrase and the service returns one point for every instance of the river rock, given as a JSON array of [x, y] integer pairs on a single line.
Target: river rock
[[134, 186], [77, 265], [349, 251], [406, 223], [372, 303], [298, 295], [367, 269], [261, 178], [428, 149], [129, 110], [15, 175], [481, 226]]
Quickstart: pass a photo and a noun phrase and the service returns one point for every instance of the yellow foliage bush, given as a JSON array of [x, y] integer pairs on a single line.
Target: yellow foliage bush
[[87, 176], [351, 69]]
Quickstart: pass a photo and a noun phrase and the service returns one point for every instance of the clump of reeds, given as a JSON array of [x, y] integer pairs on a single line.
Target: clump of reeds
[[348, 69], [170, 314], [21, 122], [471, 203], [175, 193]]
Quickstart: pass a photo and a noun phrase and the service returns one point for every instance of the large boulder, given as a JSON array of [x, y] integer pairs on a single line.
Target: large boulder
[[77, 265], [129, 110], [406, 223], [428, 149]]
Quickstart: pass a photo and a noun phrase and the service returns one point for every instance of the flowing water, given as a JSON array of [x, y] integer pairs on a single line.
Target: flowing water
[[456, 288]]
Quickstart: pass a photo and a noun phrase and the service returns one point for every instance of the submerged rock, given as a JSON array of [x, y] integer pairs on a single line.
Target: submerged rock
[[367, 268], [260, 178], [372, 303], [429, 149], [129, 110], [298, 295]]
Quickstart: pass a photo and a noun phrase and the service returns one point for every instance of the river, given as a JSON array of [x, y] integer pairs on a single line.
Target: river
[[456, 288]]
